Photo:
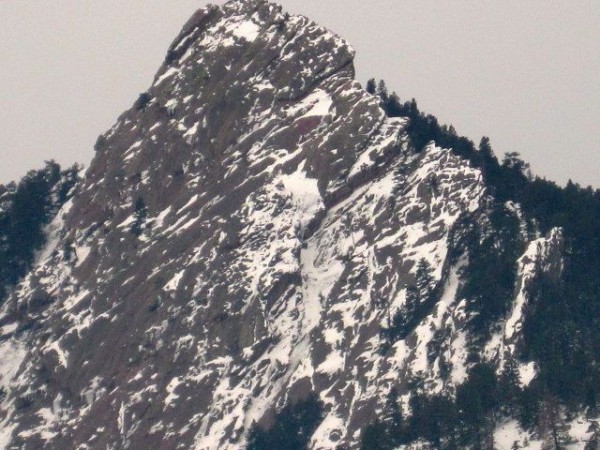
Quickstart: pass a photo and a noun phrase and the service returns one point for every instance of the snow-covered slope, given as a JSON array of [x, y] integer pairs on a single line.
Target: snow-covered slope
[[241, 238]]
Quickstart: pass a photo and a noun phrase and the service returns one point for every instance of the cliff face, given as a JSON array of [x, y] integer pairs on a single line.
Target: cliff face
[[242, 236]]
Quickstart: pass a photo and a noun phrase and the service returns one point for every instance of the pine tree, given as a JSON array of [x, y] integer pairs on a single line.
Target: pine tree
[[413, 300], [509, 389], [424, 280], [552, 423], [371, 86], [392, 417], [477, 401], [408, 315], [140, 214], [382, 91], [142, 101], [513, 160], [485, 148], [396, 328]]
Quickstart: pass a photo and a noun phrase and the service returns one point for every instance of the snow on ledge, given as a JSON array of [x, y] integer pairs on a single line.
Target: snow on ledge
[[247, 30]]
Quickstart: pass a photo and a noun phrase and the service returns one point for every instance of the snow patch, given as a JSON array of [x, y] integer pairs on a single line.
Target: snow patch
[[174, 282], [527, 373], [247, 30], [318, 103], [168, 74]]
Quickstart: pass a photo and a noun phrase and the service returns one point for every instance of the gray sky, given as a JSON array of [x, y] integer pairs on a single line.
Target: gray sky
[[526, 74]]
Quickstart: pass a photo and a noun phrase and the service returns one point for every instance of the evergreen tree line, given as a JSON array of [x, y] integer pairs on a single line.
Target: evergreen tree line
[[490, 275], [492, 251], [467, 419], [575, 298], [562, 321], [25, 208]]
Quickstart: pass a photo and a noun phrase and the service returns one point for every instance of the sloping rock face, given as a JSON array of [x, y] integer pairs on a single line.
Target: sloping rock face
[[243, 234]]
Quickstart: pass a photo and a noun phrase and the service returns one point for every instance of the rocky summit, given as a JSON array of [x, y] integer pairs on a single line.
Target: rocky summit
[[256, 232]]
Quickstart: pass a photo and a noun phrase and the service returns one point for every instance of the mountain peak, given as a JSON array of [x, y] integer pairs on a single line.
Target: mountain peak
[[257, 242], [259, 30], [185, 241]]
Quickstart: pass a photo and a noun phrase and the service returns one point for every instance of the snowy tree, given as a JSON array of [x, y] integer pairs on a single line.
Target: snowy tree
[[424, 280]]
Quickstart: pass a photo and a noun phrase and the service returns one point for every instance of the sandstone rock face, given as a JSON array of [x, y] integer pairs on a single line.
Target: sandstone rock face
[[243, 234]]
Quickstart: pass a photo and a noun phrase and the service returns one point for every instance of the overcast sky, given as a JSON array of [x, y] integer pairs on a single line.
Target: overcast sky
[[526, 74]]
